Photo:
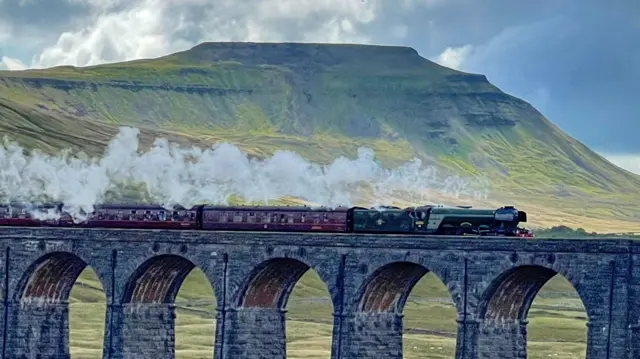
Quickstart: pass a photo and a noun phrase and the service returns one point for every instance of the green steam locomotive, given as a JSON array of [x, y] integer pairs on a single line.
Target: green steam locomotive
[[460, 220]]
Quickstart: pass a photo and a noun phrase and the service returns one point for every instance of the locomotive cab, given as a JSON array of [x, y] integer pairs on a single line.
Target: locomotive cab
[[507, 219]]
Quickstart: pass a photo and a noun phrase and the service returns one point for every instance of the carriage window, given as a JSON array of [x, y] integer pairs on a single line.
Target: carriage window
[[162, 216], [251, 214], [193, 216]]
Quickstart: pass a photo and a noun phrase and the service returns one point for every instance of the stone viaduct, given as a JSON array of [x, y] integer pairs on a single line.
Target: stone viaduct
[[492, 282]]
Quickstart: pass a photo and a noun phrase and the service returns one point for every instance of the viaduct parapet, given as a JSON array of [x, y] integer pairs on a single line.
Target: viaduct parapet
[[492, 282]]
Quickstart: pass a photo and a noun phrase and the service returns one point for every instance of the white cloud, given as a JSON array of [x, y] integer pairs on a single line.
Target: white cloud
[[629, 162], [132, 33], [454, 57], [152, 28], [359, 11], [11, 64]]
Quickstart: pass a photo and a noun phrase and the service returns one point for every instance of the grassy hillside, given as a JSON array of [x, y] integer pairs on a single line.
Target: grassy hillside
[[323, 101]]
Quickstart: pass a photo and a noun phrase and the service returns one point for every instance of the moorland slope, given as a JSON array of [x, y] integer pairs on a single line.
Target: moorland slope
[[323, 101]]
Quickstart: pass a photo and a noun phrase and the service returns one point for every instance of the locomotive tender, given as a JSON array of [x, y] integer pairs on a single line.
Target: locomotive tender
[[429, 220]]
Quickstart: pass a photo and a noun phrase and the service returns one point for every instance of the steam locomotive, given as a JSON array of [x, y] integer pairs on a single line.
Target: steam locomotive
[[429, 220]]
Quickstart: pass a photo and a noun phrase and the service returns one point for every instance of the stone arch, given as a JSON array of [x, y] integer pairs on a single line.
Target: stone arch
[[388, 288], [50, 278], [264, 297], [157, 280], [504, 307], [43, 317], [510, 295], [271, 282], [149, 312], [380, 305]]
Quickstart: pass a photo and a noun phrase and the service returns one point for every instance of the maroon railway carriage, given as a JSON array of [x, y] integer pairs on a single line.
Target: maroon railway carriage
[[142, 216], [276, 218], [116, 215]]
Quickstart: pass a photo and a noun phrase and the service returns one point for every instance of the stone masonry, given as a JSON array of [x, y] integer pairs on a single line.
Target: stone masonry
[[492, 282]]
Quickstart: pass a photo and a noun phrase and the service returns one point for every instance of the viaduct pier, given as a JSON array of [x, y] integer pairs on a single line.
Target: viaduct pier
[[492, 282]]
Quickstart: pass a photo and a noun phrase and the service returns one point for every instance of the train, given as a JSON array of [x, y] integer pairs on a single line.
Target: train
[[427, 219]]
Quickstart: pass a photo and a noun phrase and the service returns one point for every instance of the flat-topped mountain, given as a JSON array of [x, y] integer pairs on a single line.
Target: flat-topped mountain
[[321, 101]]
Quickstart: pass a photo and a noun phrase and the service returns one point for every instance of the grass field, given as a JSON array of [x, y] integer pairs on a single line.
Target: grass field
[[557, 320]]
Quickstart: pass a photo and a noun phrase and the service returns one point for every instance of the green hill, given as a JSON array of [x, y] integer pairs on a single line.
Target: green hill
[[323, 101]]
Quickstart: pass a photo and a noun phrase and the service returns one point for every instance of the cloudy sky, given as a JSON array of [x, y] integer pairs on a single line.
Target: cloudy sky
[[577, 61]]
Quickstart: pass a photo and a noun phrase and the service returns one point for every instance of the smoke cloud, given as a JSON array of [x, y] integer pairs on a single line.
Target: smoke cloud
[[170, 175]]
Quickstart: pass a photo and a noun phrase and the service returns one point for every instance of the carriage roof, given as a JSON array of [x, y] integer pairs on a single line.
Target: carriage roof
[[276, 208], [30, 205]]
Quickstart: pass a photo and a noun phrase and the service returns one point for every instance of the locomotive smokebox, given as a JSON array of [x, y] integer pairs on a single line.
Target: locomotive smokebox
[[522, 215]]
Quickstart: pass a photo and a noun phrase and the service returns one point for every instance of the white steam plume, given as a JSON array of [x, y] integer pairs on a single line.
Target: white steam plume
[[174, 175]]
